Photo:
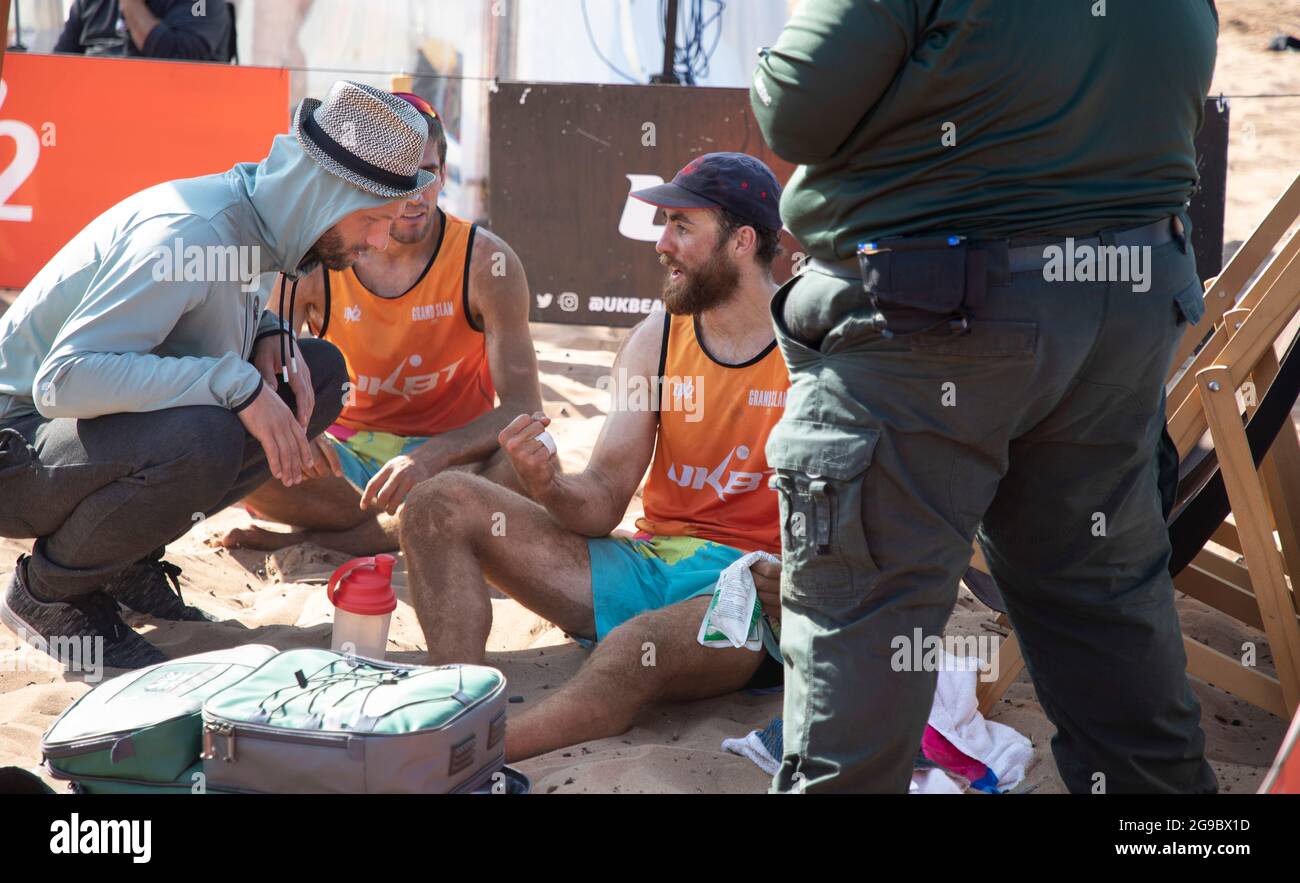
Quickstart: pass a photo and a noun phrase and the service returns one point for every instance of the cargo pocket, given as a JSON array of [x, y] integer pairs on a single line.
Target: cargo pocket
[[819, 471], [1189, 304]]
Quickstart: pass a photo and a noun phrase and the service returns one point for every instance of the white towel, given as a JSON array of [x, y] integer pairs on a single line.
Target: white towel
[[752, 747], [955, 714], [936, 781]]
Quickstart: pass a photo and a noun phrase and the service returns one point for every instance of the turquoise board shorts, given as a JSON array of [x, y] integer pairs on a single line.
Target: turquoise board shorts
[[631, 576], [362, 454]]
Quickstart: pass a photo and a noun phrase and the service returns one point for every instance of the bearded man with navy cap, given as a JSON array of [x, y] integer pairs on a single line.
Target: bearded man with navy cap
[[698, 444]]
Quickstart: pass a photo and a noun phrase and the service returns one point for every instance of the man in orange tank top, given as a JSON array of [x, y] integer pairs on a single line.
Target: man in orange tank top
[[699, 437], [433, 329]]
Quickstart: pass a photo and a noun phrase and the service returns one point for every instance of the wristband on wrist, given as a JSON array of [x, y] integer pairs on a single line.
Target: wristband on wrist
[[270, 331]]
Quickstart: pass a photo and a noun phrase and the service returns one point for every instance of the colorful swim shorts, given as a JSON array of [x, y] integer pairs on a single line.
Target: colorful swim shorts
[[631, 576], [363, 453]]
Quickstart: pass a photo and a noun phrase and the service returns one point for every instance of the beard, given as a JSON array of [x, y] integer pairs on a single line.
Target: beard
[[407, 237], [699, 290], [329, 251]]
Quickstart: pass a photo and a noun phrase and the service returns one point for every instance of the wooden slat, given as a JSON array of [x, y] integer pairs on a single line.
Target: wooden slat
[[1224, 568], [1226, 597], [1010, 663], [1226, 535], [1267, 319], [1185, 388], [1275, 304], [1280, 472], [1229, 674], [1253, 524], [1241, 266]]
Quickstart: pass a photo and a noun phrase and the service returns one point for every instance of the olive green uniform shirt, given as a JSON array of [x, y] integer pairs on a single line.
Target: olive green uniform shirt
[[994, 118]]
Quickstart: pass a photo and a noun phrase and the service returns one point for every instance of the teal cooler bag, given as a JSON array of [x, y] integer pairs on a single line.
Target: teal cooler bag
[[315, 722], [143, 731]]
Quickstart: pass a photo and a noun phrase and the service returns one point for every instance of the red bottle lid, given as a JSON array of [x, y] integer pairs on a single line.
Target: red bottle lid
[[364, 586]]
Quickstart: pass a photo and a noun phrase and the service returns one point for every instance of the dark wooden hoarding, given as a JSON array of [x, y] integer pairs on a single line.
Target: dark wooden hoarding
[[564, 158]]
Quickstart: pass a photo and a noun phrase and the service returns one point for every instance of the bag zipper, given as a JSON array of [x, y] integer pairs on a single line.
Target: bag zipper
[[218, 727], [70, 749], [74, 779], [223, 728]]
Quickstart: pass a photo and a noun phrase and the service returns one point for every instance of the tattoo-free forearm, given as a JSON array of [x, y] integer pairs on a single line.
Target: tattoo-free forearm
[[583, 503], [470, 443]]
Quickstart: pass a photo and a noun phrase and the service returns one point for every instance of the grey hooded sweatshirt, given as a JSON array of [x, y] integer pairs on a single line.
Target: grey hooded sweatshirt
[[157, 302]]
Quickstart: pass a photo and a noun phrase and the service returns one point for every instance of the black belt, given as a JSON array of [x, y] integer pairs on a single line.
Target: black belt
[[1034, 256]]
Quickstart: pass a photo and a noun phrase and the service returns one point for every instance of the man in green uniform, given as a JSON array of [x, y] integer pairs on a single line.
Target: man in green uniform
[[1017, 175]]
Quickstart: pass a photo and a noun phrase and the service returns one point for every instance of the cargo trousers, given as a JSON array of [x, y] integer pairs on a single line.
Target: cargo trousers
[[1035, 432]]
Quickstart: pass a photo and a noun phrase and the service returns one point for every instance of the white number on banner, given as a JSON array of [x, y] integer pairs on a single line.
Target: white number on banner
[[24, 162]]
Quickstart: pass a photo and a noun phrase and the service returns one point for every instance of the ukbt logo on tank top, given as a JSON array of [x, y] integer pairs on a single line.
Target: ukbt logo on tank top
[[412, 384], [737, 481]]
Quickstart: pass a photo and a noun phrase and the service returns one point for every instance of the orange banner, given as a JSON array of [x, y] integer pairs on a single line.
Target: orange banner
[[77, 135]]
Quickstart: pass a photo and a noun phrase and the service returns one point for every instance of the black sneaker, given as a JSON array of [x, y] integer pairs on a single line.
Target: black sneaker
[[152, 586], [60, 627]]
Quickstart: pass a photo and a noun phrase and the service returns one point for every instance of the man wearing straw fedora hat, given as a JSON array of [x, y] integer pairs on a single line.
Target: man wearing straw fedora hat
[[142, 385]]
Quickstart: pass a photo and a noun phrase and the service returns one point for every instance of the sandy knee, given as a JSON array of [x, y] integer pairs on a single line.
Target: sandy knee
[[449, 504]]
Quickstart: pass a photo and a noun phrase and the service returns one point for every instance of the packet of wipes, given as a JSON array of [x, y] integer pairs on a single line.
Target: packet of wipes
[[735, 614]]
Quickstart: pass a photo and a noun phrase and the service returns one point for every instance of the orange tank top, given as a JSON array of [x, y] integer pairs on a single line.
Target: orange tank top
[[709, 475], [417, 362]]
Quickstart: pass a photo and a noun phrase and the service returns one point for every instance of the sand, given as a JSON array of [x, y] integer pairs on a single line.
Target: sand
[[279, 598]]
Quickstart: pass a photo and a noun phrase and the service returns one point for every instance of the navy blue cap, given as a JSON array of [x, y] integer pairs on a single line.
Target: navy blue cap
[[737, 182]]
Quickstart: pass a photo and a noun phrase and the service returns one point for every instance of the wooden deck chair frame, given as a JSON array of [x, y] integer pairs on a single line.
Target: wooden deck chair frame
[[1236, 337]]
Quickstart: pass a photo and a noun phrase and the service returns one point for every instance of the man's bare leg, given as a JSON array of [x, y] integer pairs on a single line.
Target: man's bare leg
[[327, 511], [457, 529], [651, 658]]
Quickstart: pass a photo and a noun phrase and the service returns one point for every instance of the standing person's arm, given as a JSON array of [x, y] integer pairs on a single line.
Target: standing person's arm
[[831, 64], [180, 33]]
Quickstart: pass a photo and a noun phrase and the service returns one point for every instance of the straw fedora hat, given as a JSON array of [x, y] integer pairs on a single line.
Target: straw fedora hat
[[366, 136]]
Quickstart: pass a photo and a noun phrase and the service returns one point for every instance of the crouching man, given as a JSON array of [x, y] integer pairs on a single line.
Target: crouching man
[[134, 402], [707, 499]]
